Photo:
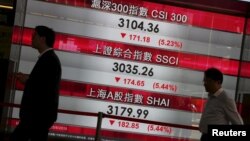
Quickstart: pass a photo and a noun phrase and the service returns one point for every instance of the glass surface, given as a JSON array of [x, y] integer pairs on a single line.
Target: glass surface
[[132, 59]]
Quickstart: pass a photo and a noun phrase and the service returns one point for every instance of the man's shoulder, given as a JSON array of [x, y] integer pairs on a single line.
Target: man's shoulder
[[50, 53], [225, 98]]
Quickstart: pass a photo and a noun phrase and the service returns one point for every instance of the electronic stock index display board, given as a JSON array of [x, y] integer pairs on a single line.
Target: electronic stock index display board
[[132, 58]]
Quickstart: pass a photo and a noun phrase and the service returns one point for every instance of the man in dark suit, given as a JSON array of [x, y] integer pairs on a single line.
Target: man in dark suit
[[39, 103]]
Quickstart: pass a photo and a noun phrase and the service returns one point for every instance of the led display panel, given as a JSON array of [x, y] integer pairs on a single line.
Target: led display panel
[[133, 59]]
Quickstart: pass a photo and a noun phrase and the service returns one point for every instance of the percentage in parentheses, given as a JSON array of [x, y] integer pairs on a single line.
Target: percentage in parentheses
[[177, 44], [161, 42]]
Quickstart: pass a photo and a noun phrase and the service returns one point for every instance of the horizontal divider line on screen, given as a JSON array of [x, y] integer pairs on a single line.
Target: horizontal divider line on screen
[[12, 105], [219, 44], [140, 97], [161, 57], [81, 131], [133, 23], [103, 70], [123, 109], [204, 19]]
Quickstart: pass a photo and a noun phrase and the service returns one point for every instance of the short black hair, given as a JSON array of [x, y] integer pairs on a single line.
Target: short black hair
[[46, 32], [214, 74]]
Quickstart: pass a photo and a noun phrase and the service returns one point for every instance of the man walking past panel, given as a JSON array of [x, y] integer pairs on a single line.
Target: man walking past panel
[[39, 103], [220, 109]]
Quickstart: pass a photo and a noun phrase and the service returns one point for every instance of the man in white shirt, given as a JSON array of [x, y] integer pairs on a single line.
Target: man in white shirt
[[220, 109]]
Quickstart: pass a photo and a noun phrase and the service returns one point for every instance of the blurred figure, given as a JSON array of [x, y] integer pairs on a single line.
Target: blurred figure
[[220, 108], [39, 103]]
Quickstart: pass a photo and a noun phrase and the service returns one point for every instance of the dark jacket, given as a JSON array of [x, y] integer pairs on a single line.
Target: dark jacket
[[39, 103]]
